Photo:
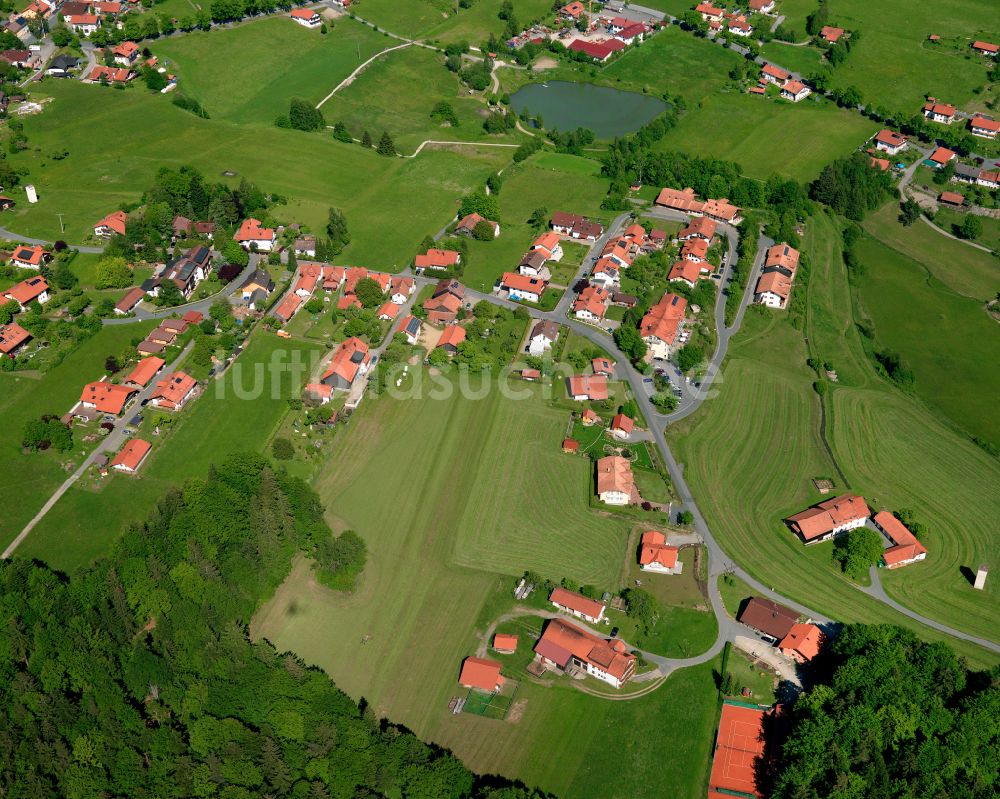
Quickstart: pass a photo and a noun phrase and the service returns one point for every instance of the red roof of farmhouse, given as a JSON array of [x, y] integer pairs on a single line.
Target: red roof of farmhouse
[[145, 370], [480, 673], [132, 454], [577, 602]]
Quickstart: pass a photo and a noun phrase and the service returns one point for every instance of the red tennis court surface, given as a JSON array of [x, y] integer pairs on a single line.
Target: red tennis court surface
[[740, 743]]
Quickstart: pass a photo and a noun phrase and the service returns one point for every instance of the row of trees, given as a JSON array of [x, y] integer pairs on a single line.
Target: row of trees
[[136, 677]]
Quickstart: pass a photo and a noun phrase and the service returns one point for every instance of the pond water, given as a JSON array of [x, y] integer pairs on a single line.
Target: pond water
[[566, 106]]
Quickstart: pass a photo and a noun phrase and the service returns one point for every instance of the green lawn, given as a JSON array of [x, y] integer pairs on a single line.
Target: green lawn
[[269, 61], [795, 13], [893, 65], [474, 25], [439, 550], [412, 18], [745, 127], [950, 219], [377, 194], [949, 341], [964, 269], [804, 60], [229, 417], [27, 395], [894, 452], [385, 97], [553, 181]]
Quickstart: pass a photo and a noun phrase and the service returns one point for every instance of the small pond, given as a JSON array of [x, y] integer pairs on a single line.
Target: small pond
[[566, 106]]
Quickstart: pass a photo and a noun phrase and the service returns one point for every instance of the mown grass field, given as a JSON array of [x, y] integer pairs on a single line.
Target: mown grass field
[[231, 416], [903, 458], [745, 128], [265, 63], [377, 194], [966, 270], [554, 181], [804, 60], [31, 479], [893, 65], [385, 97], [449, 496], [949, 341], [474, 25]]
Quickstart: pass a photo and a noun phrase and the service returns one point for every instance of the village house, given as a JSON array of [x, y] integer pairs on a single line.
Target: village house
[[986, 48], [577, 605], [305, 246], [984, 127], [145, 371], [630, 33], [951, 198], [504, 644], [186, 272], [120, 75], [591, 304], [991, 180], [251, 235], [350, 360], [773, 74], [572, 11], [131, 299], [761, 6], [905, 547], [710, 13], [319, 393], [940, 157], [125, 53], [739, 26], [522, 287], [112, 225], [131, 456], [695, 250], [12, 338], [598, 51], [606, 274], [410, 327], [656, 555], [564, 646], [62, 66], [890, 142], [802, 643], [34, 289], [548, 244], [615, 481], [795, 90], [622, 426], [700, 227], [256, 289], [309, 276], [82, 24], [603, 366], [105, 397], [400, 289], [831, 34], [830, 518], [939, 112], [306, 17], [173, 392], [444, 304], [452, 336], [660, 325], [532, 264], [771, 620], [587, 387], [543, 336], [775, 283], [481, 674], [467, 224], [569, 445], [720, 210], [437, 259], [25, 257], [575, 226], [686, 272]]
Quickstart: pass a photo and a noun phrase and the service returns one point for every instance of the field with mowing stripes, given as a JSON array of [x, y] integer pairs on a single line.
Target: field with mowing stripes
[[896, 453], [449, 495]]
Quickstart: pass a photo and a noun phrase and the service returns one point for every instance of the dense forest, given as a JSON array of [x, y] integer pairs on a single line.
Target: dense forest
[[136, 677], [893, 717]]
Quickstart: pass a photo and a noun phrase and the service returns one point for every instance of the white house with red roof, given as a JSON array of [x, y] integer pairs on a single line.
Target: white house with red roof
[[830, 518], [905, 547], [656, 555], [28, 291], [986, 48], [173, 392], [939, 112], [622, 426], [577, 605], [660, 325], [522, 287], [773, 74], [350, 361], [890, 141], [252, 235], [125, 53], [761, 6], [941, 156], [306, 17], [113, 224], [740, 26], [82, 24], [25, 257], [564, 646], [984, 127], [710, 13], [131, 456], [12, 338], [592, 304], [831, 34], [686, 272], [795, 91]]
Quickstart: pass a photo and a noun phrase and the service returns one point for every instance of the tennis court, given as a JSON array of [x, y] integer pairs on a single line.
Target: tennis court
[[740, 743]]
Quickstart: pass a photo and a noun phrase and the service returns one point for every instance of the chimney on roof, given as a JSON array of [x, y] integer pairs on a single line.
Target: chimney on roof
[[980, 583]]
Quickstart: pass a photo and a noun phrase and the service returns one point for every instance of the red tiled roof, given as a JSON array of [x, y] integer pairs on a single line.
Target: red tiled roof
[[453, 335], [599, 50], [623, 423], [890, 138], [303, 13], [594, 299], [505, 643], [905, 544], [614, 473], [388, 309], [437, 258], [805, 639], [287, 307], [595, 387], [12, 336], [132, 298], [114, 221], [655, 549], [663, 319], [984, 123], [942, 155], [685, 270], [943, 109], [171, 390], [776, 72], [524, 283], [577, 602], [145, 370], [30, 255], [830, 33], [826, 516], [250, 230], [27, 290], [952, 197], [106, 397], [561, 641], [348, 359], [783, 255], [570, 444], [481, 673], [986, 47], [132, 454]]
